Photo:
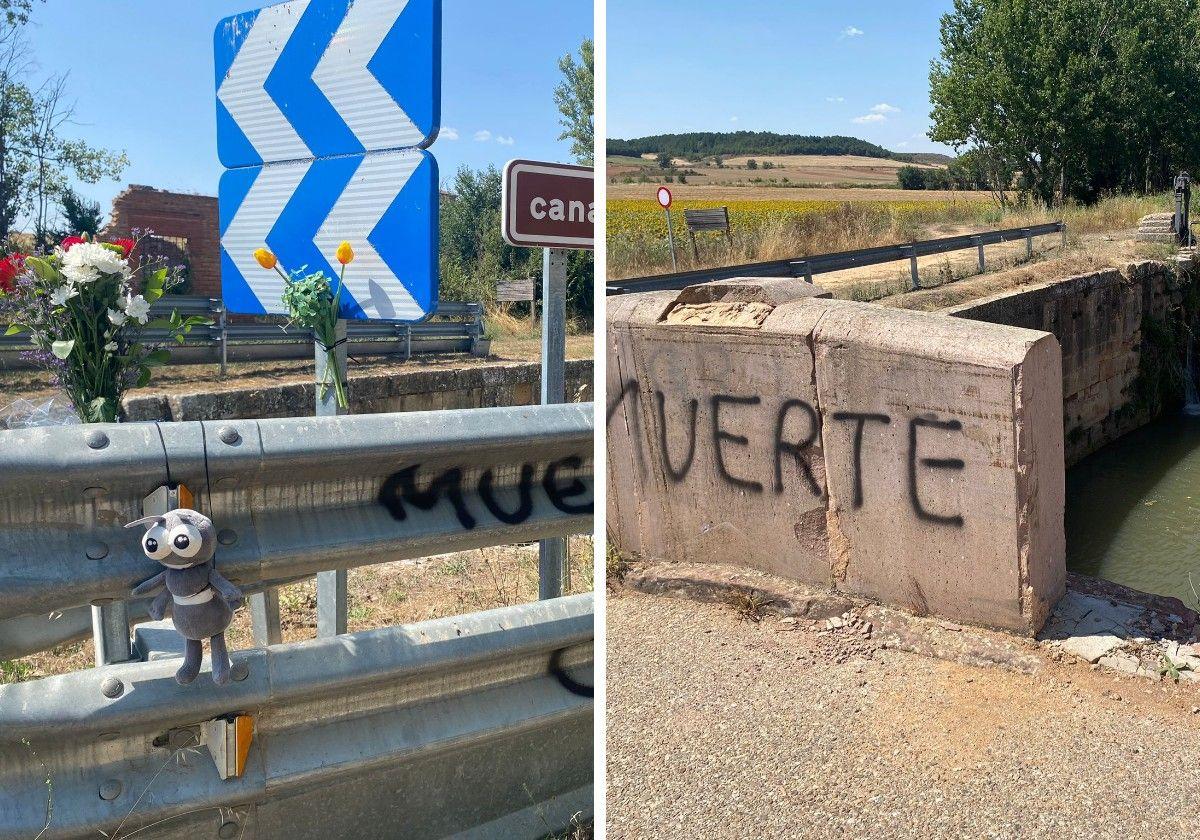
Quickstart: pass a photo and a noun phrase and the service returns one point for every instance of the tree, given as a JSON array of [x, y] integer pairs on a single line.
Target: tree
[[663, 160], [37, 163], [79, 214], [15, 12], [910, 178], [1076, 98], [752, 164], [575, 99]]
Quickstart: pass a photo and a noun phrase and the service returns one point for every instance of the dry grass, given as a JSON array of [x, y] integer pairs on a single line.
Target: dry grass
[[391, 593], [637, 246]]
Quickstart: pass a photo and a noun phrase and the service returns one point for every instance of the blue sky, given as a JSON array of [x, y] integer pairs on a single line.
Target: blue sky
[[792, 66], [141, 72]]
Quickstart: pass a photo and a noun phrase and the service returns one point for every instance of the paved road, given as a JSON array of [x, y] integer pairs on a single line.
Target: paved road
[[723, 728]]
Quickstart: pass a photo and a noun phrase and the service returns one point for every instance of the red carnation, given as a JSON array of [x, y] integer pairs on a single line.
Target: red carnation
[[126, 244], [10, 268], [71, 241]]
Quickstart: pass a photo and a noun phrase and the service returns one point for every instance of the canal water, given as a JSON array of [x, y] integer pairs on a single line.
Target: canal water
[[1133, 510]]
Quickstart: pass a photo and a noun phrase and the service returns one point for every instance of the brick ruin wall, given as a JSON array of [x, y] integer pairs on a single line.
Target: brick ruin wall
[[184, 220]]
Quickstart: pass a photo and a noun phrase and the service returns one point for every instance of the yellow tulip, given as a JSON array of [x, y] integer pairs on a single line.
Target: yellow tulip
[[265, 258], [345, 254]]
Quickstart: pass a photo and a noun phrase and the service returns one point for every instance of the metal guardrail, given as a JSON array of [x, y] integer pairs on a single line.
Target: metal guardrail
[[289, 496], [422, 731], [442, 728], [807, 267], [223, 342]]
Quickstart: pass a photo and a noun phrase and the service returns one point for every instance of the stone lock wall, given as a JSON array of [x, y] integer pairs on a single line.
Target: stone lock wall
[[476, 386], [908, 457], [1110, 325]]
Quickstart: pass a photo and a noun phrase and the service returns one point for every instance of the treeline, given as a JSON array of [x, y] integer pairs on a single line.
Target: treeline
[[962, 173], [1070, 99], [702, 144], [473, 255]]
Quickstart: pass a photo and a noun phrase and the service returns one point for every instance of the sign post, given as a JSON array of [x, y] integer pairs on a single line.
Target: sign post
[[664, 200], [331, 585], [324, 113], [550, 205]]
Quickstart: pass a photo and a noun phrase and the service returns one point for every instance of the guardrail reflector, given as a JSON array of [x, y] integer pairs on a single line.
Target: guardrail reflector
[[228, 740]]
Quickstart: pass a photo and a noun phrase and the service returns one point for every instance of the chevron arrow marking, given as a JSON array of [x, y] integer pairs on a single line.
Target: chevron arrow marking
[[343, 76], [253, 219], [376, 183], [243, 93]]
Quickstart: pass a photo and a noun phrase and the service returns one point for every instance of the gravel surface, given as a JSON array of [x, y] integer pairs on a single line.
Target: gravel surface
[[719, 727]]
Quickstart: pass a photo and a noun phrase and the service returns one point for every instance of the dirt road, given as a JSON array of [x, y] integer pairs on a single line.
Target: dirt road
[[720, 727]]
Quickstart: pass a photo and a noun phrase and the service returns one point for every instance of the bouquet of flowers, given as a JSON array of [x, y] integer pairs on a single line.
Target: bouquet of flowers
[[312, 302], [85, 321]]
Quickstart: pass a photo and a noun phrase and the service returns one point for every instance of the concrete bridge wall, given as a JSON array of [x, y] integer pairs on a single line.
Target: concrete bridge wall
[[909, 457]]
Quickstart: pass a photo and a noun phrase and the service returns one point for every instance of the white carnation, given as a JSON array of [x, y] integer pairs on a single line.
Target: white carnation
[[117, 317], [111, 347], [88, 261], [137, 307], [62, 294]]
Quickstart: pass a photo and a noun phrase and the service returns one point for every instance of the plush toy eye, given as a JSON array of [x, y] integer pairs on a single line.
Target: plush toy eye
[[185, 540], [155, 544]]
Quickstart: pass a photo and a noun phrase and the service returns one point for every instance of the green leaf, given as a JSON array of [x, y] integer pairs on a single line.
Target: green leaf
[[13, 329], [143, 377], [62, 349], [42, 269], [160, 324], [157, 357]]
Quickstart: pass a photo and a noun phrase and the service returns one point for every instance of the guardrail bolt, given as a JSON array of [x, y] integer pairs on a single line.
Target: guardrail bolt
[[97, 551], [229, 830], [240, 671], [227, 536], [112, 688], [96, 439], [111, 789], [229, 435]]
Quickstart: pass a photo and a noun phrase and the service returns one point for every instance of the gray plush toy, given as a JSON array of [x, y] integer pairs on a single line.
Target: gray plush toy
[[203, 602]]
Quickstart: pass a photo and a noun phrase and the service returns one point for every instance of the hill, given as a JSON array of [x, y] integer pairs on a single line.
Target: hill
[[928, 158], [702, 144]]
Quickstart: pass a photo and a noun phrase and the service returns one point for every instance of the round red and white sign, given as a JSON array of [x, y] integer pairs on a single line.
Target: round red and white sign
[[664, 196]]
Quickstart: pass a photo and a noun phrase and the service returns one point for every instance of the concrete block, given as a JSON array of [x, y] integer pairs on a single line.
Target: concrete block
[[715, 431], [944, 451]]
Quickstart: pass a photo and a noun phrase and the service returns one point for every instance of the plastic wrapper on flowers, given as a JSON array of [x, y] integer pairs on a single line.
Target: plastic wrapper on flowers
[[25, 414]]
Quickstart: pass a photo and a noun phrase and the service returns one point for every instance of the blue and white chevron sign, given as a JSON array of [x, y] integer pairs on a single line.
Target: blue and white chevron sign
[[316, 78], [324, 108]]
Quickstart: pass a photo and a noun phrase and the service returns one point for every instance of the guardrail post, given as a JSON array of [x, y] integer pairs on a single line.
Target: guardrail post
[[476, 325], [407, 342], [979, 247], [1063, 227], [552, 553], [264, 618], [912, 267], [805, 269], [224, 339], [1028, 243], [110, 633], [331, 586]]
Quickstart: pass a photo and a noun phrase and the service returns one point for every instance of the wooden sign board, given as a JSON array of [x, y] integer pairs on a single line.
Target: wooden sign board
[[514, 290]]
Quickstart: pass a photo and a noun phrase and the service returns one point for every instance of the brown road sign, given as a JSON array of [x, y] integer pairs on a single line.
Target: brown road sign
[[548, 205]]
